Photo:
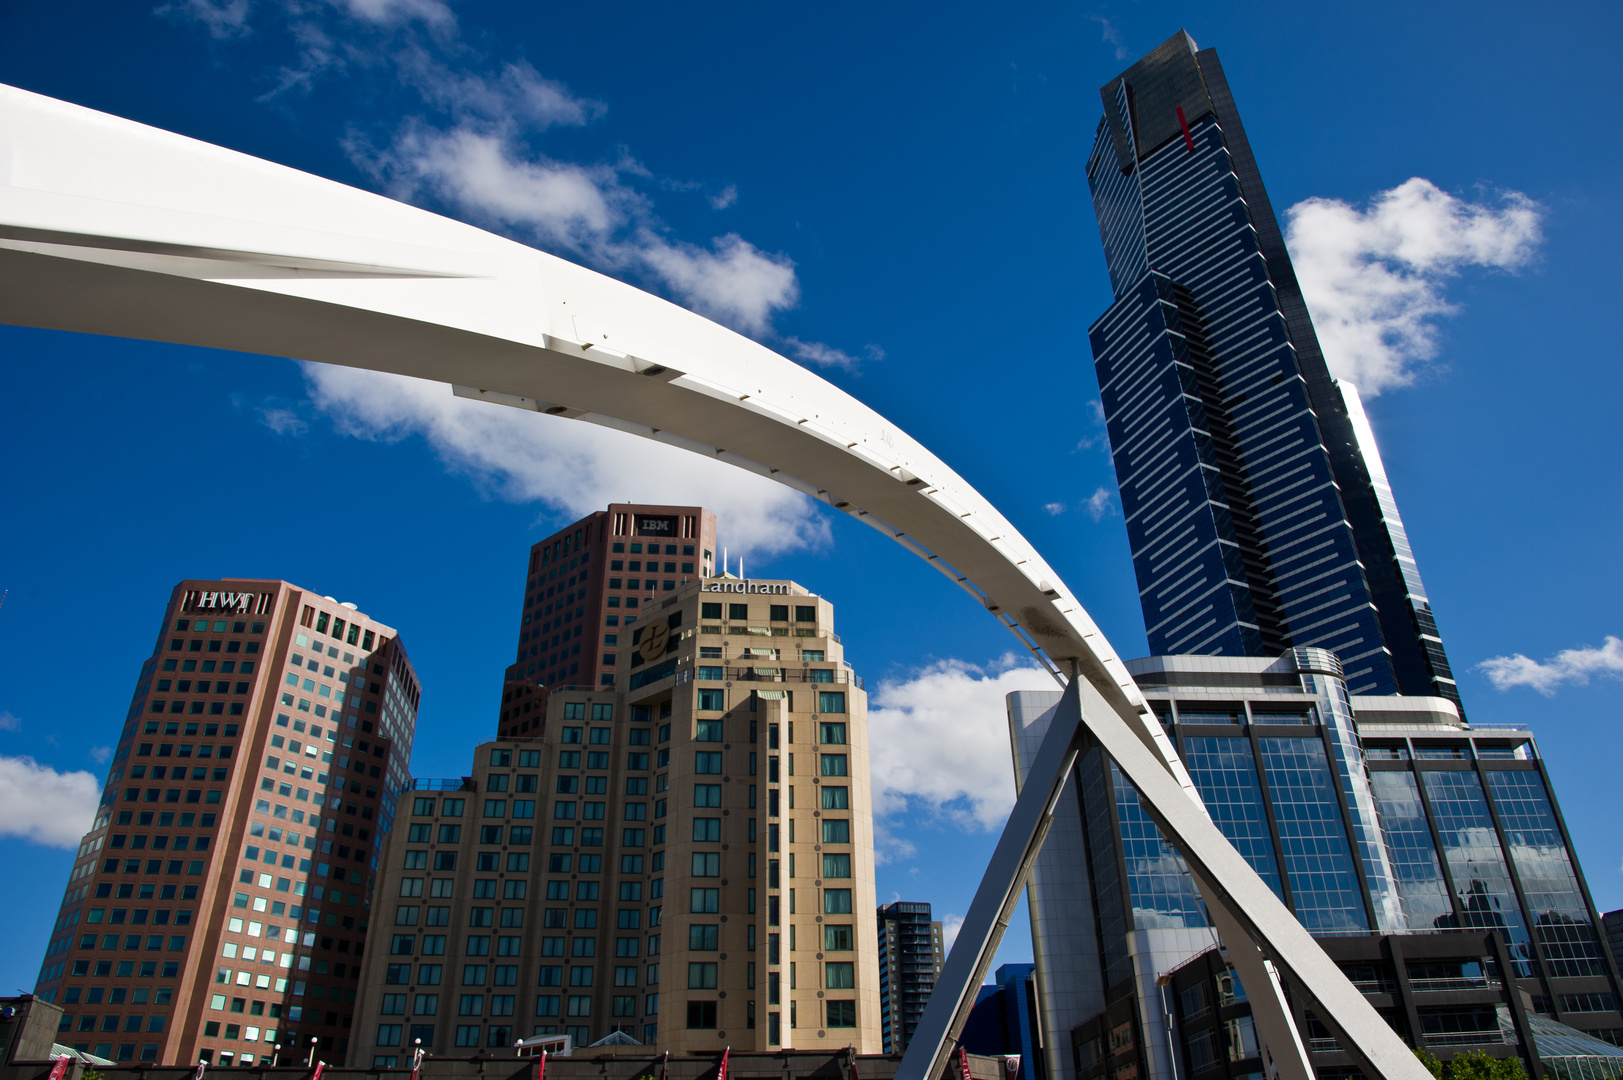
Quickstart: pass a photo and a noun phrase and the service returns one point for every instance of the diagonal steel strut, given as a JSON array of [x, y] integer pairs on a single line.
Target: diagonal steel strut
[[1262, 937]]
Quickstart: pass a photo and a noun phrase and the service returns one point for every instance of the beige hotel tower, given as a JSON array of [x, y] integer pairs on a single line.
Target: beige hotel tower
[[685, 857]]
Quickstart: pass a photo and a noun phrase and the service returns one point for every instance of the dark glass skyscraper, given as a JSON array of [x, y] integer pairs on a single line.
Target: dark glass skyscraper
[[1256, 504]]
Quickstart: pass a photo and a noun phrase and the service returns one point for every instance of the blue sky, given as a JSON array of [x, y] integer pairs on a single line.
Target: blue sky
[[895, 195]]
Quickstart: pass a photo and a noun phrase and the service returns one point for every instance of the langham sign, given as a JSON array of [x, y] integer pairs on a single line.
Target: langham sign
[[734, 585]]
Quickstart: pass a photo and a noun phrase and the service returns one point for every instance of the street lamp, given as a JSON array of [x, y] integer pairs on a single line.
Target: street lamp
[[275, 1053], [312, 1062]]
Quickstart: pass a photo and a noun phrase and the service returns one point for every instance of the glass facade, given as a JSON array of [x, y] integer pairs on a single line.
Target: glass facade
[[1426, 905], [1482, 887], [1416, 847], [1225, 772], [1096, 792], [1561, 920], [1157, 881], [1307, 816], [1257, 508]]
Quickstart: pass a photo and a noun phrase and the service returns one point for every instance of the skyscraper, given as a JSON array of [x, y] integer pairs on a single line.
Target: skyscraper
[[218, 905], [685, 857], [581, 582], [1257, 507], [910, 958]]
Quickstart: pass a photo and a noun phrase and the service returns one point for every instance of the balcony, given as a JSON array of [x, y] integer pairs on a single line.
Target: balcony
[[1465, 1038], [433, 783], [769, 674], [1376, 986], [1478, 982]]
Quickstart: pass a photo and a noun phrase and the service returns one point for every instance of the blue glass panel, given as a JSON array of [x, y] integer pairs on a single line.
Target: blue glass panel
[[1162, 892], [1560, 914], [1353, 778], [1307, 812], [1476, 862], [1096, 796], [1426, 905], [1225, 772]]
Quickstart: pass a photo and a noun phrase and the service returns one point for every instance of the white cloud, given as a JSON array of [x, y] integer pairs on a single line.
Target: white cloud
[[1099, 438], [572, 467], [519, 97], [473, 149], [283, 421], [819, 355], [1110, 35], [1099, 505], [1568, 665], [890, 847], [40, 804], [940, 741], [561, 205], [221, 18], [584, 210], [394, 12], [101, 755], [476, 155], [950, 925], [732, 281], [8, 722], [1373, 278]]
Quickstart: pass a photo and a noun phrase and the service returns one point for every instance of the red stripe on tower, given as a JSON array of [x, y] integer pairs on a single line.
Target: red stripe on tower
[[1188, 140]]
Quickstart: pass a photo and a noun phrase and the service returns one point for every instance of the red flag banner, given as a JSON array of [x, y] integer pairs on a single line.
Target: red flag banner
[[722, 1075], [416, 1064], [202, 1067], [963, 1064], [321, 1065], [664, 1065], [541, 1065], [60, 1069]]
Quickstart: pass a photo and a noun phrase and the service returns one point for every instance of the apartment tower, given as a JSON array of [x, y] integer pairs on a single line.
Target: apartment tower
[[1257, 507], [910, 959], [219, 904], [684, 857]]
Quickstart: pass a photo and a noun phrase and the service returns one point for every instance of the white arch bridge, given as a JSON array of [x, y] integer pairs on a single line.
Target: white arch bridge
[[111, 227]]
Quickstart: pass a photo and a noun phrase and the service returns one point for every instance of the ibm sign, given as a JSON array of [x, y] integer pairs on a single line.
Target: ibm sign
[[649, 525]]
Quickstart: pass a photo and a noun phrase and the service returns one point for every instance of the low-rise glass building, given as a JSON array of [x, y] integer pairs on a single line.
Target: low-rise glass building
[[1429, 857]]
